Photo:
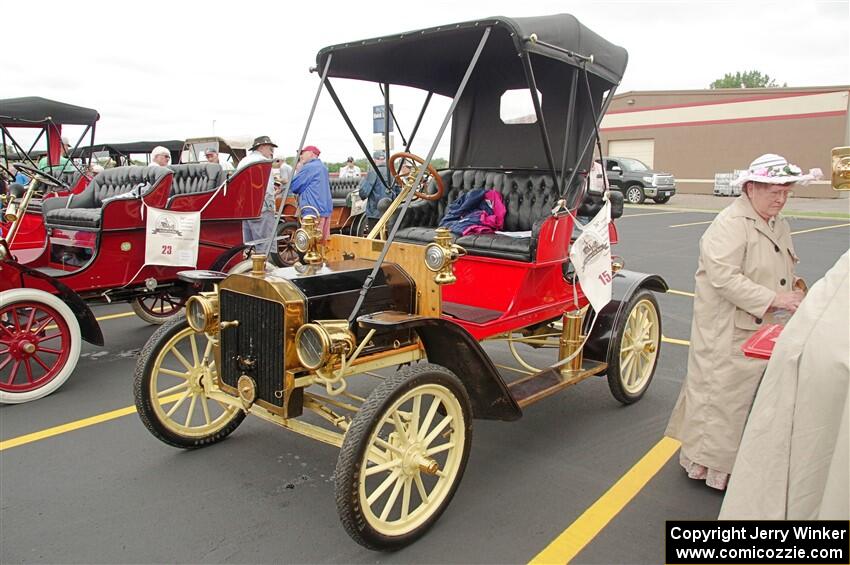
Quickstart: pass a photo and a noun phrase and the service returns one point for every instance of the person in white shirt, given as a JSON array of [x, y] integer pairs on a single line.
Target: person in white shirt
[[350, 170], [160, 156], [260, 232]]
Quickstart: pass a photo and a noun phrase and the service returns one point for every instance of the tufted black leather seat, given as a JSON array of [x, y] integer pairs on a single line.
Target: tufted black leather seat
[[85, 209], [341, 188], [528, 199], [195, 177]]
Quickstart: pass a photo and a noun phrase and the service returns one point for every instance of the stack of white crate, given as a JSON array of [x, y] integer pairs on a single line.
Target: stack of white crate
[[722, 184]]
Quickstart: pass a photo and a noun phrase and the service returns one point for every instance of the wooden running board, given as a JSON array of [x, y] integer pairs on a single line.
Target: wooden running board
[[529, 390]]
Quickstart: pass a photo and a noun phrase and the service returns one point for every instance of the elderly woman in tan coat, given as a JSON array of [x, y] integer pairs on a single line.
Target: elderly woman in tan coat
[[745, 274]]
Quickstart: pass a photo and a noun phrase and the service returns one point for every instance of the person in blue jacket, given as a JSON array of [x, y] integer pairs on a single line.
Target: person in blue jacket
[[313, 186]]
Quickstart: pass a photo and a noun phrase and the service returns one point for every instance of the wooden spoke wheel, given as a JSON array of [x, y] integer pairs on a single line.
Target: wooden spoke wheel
[[421, 191], [286, 254], [158, 307], [403, 457], [39, 344], [634, 350], [173, 369]]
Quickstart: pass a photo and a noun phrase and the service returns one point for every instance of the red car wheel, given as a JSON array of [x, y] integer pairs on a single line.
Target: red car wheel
[[39, 345]]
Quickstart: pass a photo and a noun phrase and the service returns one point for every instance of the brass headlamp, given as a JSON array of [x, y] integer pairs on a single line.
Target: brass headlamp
[[202, 312], [441, 255], [306, 238], [323, 342], [841, 168]]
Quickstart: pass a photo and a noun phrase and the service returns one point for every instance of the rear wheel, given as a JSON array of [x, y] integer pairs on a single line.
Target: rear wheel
[[158, 307], [634, 352], [634, 194], [172, 370], [286, 254], [39, 344], [403, 457]]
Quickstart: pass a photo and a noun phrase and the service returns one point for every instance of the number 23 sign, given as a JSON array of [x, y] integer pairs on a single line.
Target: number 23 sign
[[171, 238]]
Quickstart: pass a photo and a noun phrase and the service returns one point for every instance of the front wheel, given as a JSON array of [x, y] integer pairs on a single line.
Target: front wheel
[[403, 457], [662, 199], [634, 194], [158, 308], [171, 373], [633, 354], [39, 344], [286, 254]]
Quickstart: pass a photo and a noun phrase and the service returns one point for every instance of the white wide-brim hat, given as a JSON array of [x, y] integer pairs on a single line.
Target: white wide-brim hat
[[775, 169]]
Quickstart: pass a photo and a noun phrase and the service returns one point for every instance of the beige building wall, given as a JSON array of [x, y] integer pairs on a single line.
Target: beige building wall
[[700, 133]]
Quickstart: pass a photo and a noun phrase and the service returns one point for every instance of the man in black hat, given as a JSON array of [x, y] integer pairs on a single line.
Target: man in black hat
[[349, 170], [260, 232]]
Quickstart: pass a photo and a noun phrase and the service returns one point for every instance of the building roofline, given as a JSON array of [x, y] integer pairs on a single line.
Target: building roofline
[[719, 91]]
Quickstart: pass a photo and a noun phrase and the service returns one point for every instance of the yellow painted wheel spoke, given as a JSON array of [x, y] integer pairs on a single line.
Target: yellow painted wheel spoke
[[423, 494], [414, 417], [194, 349], [381, 467], [191, 411], [172, 390], [178, 404], [388, 446], [439, 449], [405, 497], [392, 498], [172, 373], [436, 431], [179, 356], [376, 494], [206, 409], [429, 417], [399, 425]]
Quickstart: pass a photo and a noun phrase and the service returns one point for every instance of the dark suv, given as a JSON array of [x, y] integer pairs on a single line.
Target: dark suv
[[637, 181]]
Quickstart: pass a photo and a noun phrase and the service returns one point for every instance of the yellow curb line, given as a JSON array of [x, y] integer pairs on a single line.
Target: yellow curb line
[[76, 425], [680, 292], [691, 224], [675, 341], [581, 532]]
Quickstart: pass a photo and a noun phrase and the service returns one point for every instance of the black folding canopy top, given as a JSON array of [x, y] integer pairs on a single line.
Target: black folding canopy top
[[129, 147], [38, 110], [551, 49], [435, 58]]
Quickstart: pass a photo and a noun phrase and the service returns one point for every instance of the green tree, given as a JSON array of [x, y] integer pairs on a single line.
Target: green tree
[[746, 79]]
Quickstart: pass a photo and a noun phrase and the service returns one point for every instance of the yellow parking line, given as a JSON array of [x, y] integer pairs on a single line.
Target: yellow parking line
[[581, 532], [76, 425], [691, 224], [819, 229], [680, 292], [114, 316], [650, 214]]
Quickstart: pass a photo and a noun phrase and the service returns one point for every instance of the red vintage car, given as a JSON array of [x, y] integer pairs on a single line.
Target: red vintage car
[[94, 251], [300, 346]]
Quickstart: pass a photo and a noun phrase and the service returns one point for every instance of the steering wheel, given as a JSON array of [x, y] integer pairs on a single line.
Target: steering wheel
[[430, 173], [46, 178], [6, 174]]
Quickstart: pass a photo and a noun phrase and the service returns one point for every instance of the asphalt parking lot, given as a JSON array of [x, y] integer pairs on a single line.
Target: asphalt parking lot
[[103, 490]]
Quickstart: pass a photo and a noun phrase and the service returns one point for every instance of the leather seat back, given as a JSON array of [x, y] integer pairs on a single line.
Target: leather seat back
[[117, 181], [528, 196], [196, 177], [340, 188]]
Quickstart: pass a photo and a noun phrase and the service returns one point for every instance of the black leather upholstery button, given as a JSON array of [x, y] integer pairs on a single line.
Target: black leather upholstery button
[[776, 248], [758, 320], [782, 282]]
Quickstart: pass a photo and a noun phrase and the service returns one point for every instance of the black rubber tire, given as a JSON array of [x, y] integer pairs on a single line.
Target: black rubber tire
[[348, 467], [144, 406], [662, 199], [615, 381], [634, 194], [293, 255]]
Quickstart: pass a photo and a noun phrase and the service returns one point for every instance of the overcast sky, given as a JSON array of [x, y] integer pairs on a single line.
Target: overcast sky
[[172, 70]]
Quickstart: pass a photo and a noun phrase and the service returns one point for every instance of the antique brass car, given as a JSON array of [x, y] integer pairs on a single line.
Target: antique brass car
[[301, 346]]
